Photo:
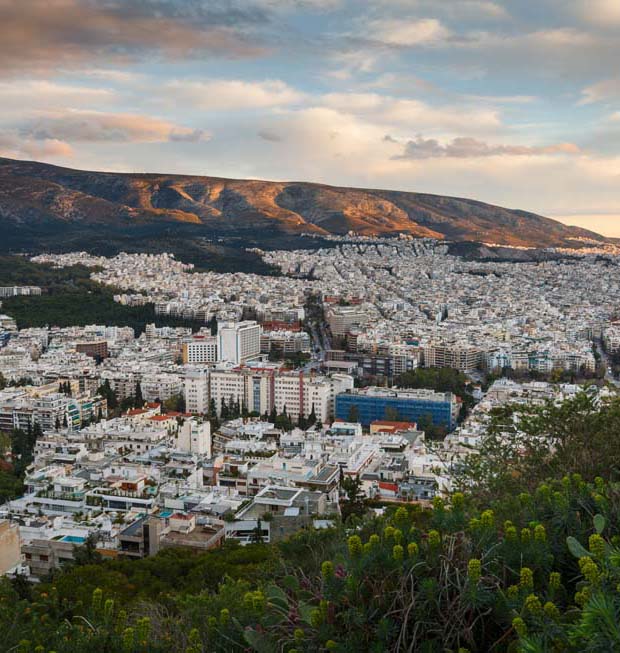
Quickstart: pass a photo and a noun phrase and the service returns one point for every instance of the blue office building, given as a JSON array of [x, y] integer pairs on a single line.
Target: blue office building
[[372, 404]]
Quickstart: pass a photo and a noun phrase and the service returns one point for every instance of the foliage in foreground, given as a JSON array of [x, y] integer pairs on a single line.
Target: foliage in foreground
[[527, 444], [536, 572]]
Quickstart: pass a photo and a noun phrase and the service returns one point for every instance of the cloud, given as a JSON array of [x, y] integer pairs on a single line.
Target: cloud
[[406, 33], [607, 89], [13, 146], [113, 75], [43, 35], [231, 94], [288, 5], [455, 9], [465, 148], [18, 96], [270, 135], [97, 127], [415, 114], [601, 13]]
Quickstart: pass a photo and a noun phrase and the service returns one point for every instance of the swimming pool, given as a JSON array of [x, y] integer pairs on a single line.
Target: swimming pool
[[76, 539]]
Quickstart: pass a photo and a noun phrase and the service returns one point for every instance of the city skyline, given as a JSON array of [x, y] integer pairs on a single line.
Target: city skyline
[[516, 106]]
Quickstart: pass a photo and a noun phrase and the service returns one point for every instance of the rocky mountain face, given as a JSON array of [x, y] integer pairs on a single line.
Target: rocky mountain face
[[36, 195]]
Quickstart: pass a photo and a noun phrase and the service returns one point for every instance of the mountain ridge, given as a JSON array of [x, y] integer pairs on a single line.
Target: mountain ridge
[[40, 195]]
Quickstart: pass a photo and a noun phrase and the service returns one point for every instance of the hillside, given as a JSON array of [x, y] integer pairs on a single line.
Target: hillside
[[38, 198]]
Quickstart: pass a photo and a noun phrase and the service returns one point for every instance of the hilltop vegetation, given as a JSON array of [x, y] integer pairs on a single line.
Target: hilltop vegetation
[[530, 567], [70, 298], [537, 572]]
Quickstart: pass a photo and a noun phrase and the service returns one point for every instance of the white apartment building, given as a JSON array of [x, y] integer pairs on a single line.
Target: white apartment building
[[238, 341], [342, 319], [200, 350], [259, 391], [251, 389], [194, 436], [196, 390], [226, 386], [161, 386], [299, 395]]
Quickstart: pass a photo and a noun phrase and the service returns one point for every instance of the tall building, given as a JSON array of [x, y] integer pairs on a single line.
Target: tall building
[[300, 395], [458, 356], [342, 319], [200, 350], [238, 341], [261, 390], [196, 391], [250, 389], [97, 349], [372, 404]]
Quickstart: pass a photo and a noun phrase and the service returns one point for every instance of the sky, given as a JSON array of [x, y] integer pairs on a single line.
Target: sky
[[513, 102]]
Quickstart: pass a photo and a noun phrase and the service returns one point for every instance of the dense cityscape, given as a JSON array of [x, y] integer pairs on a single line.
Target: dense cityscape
[[243, 424], [309, 326]]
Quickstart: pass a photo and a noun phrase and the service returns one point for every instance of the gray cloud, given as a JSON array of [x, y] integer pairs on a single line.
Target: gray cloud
[[98, 127], [465, 148], [13, 145], [270, 135], [39, 35]]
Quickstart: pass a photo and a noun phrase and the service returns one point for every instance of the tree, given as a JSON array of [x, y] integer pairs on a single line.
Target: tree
[[355, 500], [87, 553], [354, 414], [440, 379], [392, 414], [176, 403], [212, 408], [312, 416], [273, 415], [57, 424], [525, 445], [138, 399], [105, 391], [257, 533], [65, 423], [213, 325]]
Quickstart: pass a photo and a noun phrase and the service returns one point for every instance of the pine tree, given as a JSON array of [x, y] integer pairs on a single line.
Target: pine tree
[[138, 399], [312, 417]]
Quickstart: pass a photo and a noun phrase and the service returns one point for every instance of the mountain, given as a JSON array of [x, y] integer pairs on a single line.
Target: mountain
[[38, 197]]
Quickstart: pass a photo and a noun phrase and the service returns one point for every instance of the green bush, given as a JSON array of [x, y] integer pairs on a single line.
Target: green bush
[[537, 572]]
